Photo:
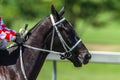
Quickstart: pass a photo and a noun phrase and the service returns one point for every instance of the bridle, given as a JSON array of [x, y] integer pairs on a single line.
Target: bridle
[[64, 44], [66, 54]]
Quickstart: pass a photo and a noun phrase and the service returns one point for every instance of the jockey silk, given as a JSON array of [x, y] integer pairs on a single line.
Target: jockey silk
[[6, 33]]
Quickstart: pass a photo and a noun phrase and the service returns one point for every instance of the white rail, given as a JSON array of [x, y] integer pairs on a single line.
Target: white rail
[[97, 56]]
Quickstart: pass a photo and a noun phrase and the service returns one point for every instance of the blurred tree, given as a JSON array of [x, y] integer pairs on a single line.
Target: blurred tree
[[87, 10], [9, 11]]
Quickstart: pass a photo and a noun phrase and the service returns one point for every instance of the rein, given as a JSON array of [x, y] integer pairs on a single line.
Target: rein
[[64, 44]]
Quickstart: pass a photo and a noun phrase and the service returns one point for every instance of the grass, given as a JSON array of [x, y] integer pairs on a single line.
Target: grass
[[91, 71], [108, 34]]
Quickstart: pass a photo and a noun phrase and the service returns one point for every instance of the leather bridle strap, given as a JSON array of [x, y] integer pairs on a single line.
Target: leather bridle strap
[[64, 44]]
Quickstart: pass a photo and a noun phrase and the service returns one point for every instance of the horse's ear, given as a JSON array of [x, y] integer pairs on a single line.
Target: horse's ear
[[62, 11], [54, 12]]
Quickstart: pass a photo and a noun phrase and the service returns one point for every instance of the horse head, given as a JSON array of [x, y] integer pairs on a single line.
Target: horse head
[[65, 40]]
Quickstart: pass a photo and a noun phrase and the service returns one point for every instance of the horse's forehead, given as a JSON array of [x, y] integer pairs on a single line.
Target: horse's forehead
[[69, 26]]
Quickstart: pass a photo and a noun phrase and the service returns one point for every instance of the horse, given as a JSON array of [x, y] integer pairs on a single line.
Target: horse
[[54, 34]]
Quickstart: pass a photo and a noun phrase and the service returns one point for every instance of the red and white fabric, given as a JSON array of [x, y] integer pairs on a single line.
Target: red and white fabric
[[5, 32]]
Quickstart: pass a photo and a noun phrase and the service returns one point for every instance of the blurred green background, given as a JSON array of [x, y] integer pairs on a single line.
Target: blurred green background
[[95, 21]]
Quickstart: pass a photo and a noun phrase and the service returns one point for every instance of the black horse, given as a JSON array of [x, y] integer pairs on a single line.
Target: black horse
[[54, 34]]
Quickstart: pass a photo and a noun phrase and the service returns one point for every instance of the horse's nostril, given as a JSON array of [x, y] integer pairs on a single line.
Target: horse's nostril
[[87, 56]]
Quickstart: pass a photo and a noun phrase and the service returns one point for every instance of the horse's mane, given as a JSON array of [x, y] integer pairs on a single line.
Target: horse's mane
[[35, 26]]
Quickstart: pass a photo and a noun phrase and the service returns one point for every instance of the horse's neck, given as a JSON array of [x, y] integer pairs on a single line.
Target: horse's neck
[[33, 59]]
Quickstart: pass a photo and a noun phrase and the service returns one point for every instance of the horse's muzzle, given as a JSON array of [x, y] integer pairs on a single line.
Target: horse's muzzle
[[82, 59]]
